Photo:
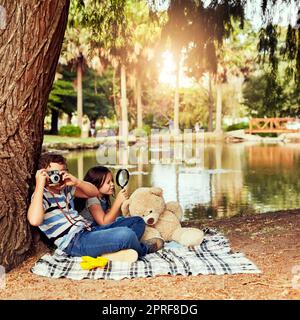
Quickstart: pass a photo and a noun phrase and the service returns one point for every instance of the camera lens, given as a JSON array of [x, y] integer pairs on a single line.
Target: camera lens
[[56, 178]]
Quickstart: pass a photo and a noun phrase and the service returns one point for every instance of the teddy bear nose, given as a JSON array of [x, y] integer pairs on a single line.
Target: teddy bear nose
[[150, 221]]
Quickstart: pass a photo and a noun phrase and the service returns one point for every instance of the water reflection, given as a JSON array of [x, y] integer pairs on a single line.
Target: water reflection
[[235, 178]]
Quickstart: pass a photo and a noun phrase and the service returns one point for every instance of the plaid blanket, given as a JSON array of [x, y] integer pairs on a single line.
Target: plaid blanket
[[213, 256]]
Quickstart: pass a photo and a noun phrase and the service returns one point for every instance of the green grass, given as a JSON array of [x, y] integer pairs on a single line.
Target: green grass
[[208, 137], [61, 139]]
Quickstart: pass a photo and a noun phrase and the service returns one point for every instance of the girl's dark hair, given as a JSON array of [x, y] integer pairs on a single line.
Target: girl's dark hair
[[96, 175]]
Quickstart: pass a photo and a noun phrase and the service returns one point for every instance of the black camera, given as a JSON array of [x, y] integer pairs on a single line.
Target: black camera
[[55, 177]]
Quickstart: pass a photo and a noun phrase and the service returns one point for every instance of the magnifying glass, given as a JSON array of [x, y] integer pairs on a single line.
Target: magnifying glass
[[122, 177]]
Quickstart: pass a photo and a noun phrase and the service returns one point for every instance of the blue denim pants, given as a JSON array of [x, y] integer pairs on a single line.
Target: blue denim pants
[[124, 233]]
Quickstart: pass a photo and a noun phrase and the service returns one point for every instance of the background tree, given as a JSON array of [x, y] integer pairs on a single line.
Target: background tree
[[113, 38], [62, 98], [75, 51], [273, 89], [175, 33], [97, 94], [236, 60], [29, 53], [142, 64]]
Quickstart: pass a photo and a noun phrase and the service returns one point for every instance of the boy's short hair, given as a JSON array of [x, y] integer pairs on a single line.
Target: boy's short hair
[[48, 157]]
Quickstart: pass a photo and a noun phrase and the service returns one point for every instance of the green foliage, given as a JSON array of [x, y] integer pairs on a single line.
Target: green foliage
[[266, 95], [106, 22], [201, 28], [62, 96], [159, 108], [193, 107], [268, 40], [256, 99], [145, 130], [121, 31], [149, 119], [97, 94], [280, 43], [238, 126], [70, 131]]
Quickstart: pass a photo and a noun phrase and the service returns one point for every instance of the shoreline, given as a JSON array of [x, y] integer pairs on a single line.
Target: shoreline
[[75, 143], [270, 240]]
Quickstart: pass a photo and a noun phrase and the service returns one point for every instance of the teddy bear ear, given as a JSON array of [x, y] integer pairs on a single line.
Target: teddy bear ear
[[125, 208], [176, 208], [157, 191]]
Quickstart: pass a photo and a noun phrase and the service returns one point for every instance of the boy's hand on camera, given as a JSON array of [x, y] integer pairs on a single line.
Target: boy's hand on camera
[[41, 178], [122, 195], [69, 180]]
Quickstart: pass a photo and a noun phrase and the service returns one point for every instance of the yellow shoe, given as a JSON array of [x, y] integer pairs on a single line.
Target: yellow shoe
[[126, 255], [89, 263]]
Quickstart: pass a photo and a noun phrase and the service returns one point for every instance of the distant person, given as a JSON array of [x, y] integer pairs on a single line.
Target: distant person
[[92, 128], [171, 126], [197, 127]]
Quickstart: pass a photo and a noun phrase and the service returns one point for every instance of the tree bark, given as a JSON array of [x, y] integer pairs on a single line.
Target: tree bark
[[210, 105], [54, 121], [69, 119], [30, 45], [124, 120], [176, 102], [116, 107], [219, 109], [139, 104], [79, 91]]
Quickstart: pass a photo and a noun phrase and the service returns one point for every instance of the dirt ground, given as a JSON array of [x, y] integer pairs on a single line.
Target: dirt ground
[[270, 240]]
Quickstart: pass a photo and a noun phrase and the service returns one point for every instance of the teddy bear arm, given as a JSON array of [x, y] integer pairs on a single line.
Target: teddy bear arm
[[150, 233], [175, 207]]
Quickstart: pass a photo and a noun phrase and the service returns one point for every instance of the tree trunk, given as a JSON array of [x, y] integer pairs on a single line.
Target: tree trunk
[[116, 106], [79, 91], [69, 119], [139, 104], [30, 46], [219, 109], [210, 105], [54, 121], [124, 119], [176, 102]]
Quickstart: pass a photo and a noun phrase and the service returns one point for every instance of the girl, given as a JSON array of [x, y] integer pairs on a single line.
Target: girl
[[113, 228], [98, 209]]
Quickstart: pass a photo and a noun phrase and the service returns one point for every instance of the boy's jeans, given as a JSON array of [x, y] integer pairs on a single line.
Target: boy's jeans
[[124, 233]]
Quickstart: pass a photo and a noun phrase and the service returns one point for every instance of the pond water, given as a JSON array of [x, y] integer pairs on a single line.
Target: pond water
[[232, 179]]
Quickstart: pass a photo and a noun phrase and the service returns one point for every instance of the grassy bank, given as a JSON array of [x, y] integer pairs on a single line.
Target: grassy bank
[[74, 143], [68, 143], [60, 139]]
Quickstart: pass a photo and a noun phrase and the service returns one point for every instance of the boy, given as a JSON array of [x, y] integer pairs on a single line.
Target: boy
[[52, 210]]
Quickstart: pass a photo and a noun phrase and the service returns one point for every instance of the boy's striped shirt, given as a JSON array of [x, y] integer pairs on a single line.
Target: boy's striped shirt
[[55, 222]]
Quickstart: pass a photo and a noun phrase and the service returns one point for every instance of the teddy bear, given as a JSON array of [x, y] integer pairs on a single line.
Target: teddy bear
[[162, 219]]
